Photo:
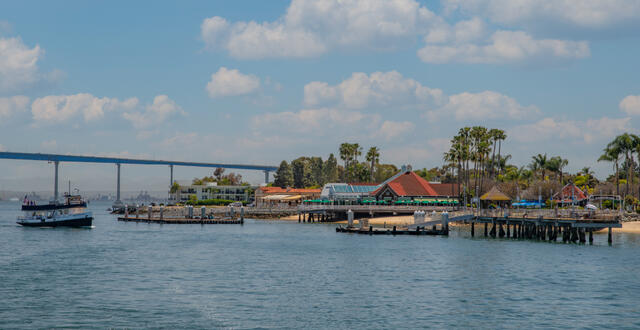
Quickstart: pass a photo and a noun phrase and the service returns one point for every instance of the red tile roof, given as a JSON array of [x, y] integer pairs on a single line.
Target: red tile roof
[[409, 184], [567, 194], [446, 189]]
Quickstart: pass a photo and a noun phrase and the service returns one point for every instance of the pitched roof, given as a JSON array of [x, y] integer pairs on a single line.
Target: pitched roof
[[495, 195], [566, 193], [409, 184], [446, 189]]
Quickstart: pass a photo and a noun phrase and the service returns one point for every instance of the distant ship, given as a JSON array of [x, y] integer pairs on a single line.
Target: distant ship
[[13, 199], [72, 213]]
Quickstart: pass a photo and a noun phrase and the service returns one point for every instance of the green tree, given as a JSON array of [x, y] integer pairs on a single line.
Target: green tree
[[317, 176], [612, 154], [330, 169], [301, 172], [283, 177], [373, 157], [174, 188]]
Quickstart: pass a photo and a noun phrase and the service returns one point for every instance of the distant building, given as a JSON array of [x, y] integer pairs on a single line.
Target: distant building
[[347, 191], [211, 190], [284, 197], [571, 194], [405, 185]]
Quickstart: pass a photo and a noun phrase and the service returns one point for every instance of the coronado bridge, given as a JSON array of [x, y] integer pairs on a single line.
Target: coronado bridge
[[56, 159]]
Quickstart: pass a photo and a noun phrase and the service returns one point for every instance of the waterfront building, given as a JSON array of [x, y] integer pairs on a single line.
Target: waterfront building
[[284, 197], [570, 194], [347, 191], [211, 190]]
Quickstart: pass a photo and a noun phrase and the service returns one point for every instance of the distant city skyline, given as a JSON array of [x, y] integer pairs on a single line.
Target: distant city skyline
[[257, 82]]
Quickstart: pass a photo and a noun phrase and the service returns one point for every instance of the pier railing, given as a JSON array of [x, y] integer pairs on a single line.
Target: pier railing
[[550, 213], [375, 208]]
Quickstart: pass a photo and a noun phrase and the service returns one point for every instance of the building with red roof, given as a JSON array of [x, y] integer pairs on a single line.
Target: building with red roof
[[407, 184], [570, 193]]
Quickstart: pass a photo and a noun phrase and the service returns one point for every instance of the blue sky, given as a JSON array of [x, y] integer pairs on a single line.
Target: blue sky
[[262, 81]]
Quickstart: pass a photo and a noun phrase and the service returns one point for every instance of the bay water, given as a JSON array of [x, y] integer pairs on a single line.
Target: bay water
[[279, 274]]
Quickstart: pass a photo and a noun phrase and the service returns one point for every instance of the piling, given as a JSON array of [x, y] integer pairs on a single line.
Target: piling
[[149, 211], [242, 213], [501, 232], [473, 228], [610, 238], [203, 212], [590, 236], [161, 212], [485, 229], [126, 211]]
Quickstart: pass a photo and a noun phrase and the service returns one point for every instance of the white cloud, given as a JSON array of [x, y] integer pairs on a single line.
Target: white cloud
[[504, 47], [591, 14], [379, 89], [228, 82], [11, 105], [550, 129], [157, 112], [462, 32], [310, 28], [390, 130], [60, 108], [315, 121], [630, 105], [18, 64], [483, 105]]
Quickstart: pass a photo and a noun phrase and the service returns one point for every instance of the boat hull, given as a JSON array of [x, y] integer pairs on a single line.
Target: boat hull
[[78, 222]]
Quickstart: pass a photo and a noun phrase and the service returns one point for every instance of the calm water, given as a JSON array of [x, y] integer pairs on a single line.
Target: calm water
[[290, 275]]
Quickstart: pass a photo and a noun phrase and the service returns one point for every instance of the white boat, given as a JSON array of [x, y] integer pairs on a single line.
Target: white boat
[[72, 213]]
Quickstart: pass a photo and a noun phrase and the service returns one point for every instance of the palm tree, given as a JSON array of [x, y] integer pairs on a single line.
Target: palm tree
[[539, 163], [493, 136], [627, 144], [373, 157], [612, 154], [500, 136]]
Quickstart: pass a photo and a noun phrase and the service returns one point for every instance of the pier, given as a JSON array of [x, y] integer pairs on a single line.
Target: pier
[[185, 216], [567, 226]]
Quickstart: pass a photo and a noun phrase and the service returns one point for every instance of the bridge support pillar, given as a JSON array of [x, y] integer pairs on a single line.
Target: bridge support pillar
[[56, 164], [118, 203], [266, 177], [170, 176]]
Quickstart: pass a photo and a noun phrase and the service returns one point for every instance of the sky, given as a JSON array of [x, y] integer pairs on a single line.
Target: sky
[[257, 82]]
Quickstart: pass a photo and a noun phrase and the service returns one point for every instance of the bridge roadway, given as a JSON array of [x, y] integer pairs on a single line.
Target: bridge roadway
[[56, 159]]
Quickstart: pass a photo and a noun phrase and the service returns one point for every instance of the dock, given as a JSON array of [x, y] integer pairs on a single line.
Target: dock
[[209, 218], [542, 225], [182, 220]]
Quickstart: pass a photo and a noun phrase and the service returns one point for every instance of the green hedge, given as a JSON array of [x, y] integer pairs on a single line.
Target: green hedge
[[217, 202]]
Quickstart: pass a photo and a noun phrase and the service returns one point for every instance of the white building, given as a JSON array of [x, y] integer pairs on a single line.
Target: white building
[[211, 190]]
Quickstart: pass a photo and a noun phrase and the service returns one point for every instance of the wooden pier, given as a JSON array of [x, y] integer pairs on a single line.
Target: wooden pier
[[204, 221], [392, 231], [541, 225]]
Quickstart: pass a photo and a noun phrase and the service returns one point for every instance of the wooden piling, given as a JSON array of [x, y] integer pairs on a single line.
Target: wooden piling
[[610, 238], [590, 236], [501, 232], [473, 228], [485, 229], [508, 230]]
